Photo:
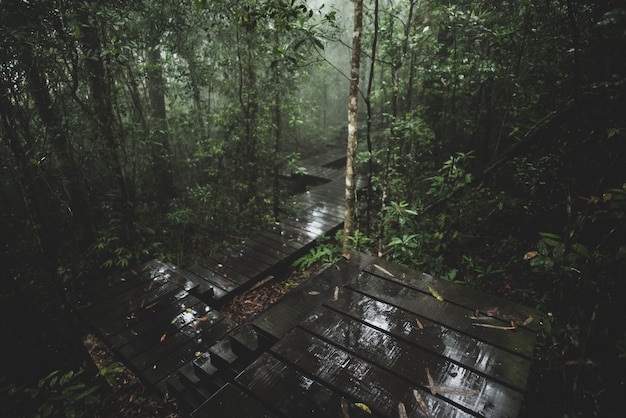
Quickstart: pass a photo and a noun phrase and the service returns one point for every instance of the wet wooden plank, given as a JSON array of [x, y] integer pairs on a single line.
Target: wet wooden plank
[[287, 237], [306, 200], [328, 213], [122, 303], [145, 289], [461, 295], [113, 284], [279, 244], [292, 393], [148, 308], [165, 334], [187, 400], [187, 352], [138, 325], [317, 222], [315, 228], [296, 305], [223, 285], [356, 378], [448, 314], [227, 271], [245, 342], [139, 304], [336, 211], [270, 243], [300, 235], [485, 359], [271, 249], [248, 263], [318, 196], [250, 248], [410, 362], [231, 401], [174, 342], [289, 234], [323, 173]]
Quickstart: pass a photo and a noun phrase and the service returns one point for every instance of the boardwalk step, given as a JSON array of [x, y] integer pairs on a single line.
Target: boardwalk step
[[188, 400], [291, 392], [274, 323], [245, 342], [203, 367], [223, 357], [188, 376], [231, 401]]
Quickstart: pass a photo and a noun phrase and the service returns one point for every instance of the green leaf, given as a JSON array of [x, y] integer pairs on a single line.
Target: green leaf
[[86, 393], [580, 249], [550, 235], [46, 409], [317, 43]]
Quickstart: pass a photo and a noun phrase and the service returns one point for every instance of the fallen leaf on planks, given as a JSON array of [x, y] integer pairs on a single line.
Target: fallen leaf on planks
[[419, 324], [402, 410], [493, 311], [163, 337], [421, 403], [527, 321], [383, 270], [495, 327], [435, 293], [344, 408], [364, 407], [431, 383], [336, 294], [152, 305], [314, 293]]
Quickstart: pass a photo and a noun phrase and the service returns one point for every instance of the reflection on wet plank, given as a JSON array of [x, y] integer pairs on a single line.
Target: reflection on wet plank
[[389, 343]]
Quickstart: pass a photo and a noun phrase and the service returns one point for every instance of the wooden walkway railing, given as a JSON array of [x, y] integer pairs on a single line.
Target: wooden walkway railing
[[362, 334]]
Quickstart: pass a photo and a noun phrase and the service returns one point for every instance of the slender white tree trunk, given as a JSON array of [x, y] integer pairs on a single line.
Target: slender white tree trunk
[[350, 212]]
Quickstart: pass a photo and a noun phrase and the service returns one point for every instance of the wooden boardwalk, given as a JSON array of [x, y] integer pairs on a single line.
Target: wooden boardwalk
[[362, 332], [376, 341], [321, 211]]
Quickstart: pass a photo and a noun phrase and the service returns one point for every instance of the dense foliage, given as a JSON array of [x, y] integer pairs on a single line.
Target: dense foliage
[[492, 133]]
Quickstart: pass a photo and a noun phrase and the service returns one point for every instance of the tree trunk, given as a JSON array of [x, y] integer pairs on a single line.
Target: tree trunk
[[368, 105], [277, 140], [101, 93], [32, 189], [350, 211], [69, 174], [159, 140]]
